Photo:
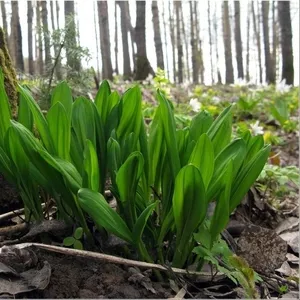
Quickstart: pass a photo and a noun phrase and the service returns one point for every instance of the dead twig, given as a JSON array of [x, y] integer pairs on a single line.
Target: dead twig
[[8, 230]]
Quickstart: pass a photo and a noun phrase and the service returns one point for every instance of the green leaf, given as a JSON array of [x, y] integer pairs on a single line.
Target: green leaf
[[24, 113], [102, 100], [91, 176], [103, 215], [62, 93], [203, 158], [78, 245], [78, 233], [60, 130], [69, 241], [199, 125]]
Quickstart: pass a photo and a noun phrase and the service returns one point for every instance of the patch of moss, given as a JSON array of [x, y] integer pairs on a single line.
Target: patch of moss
[[10, 78]]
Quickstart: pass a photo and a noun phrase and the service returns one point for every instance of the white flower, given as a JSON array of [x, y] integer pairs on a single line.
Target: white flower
[[195, 104], [215, 100], [282, 87], [204, 95], [256, 129]]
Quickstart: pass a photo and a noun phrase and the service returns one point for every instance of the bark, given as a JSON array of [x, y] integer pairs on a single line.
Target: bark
[[39, 51], [179, 42], [216, 43], [72, 61], [199, 44], [227, 44], [270, 78], [124, 30], [274, 39], [116, 41], [157, 36], [210, 42], [286, 36], [257, 37], [172, 35], [4, 20], [30, 38], [194, 46], [143, 68], [186, 46], [10, 80], [238, 39], [248, 45], [165, 38], [96, 40], [46, 34], [107, 71], [57, 13], [17, 36]]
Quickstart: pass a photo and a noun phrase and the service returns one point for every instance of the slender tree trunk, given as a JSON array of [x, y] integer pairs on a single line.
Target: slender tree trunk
[[143, 68], [46, 34], [270, 78], [257, 36], [274, 39], [125, 44], [199, 43], [96, 39], [4, 20], [179, 42], [227, 44], [57, 13], [105, 40], [238, 39], [194, 46], [17, 36], [216, 43], [165, 38], [248, 44], [157, 36], [186, 45], [72, 60], [286, 36], [30, 38], [116, 40], [210, 42], [172, 35], [40, 62]]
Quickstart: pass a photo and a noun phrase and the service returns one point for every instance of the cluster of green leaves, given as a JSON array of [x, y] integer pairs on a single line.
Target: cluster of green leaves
[[163, 178], [74, 241]]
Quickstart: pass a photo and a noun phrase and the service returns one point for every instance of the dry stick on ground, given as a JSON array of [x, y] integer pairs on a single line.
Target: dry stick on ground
[[113, 259]]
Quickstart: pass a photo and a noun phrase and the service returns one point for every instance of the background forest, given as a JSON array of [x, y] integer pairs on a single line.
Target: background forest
[[193, 41]]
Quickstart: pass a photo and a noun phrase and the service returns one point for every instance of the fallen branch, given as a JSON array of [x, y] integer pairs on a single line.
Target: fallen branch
[[116, 260], [8, 230]]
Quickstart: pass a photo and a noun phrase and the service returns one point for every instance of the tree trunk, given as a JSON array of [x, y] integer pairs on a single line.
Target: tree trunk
[[165, 38], [125, 29], [238, 39], [17, 35], [10, 81], [58, 71], [116, 40], [96, 39], [274, 39], [157, 36], [40, 61], [57, 13], [210, 42], [270, 78], [199, 44], [72, 61], [286, 36], [107, 71], [257, 36], [248, 44], [227, 44], [186, 46], [172, 35], [216, 43], [46, 34], [194, 46], [4, 20], [143, 68], [179, 42], [30, 38]]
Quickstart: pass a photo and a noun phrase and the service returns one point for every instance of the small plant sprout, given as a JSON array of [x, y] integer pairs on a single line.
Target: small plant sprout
[[256, 129], [74, 241], [195, 104]]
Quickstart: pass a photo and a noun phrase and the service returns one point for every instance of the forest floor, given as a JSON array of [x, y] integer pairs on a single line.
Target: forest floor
[[272, 210]]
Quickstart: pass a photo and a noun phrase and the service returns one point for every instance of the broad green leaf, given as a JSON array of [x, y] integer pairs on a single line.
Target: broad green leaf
[[247, 176], [62, 93], [68, 241], [91, 176], [182, 141], [60, 130], [78, 233], [39, 120], [102, 100], [113, 158], [203, 158], [6, 168], [199, 125], [103, 215], [24, 113], [255, 144], [78, 245]]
